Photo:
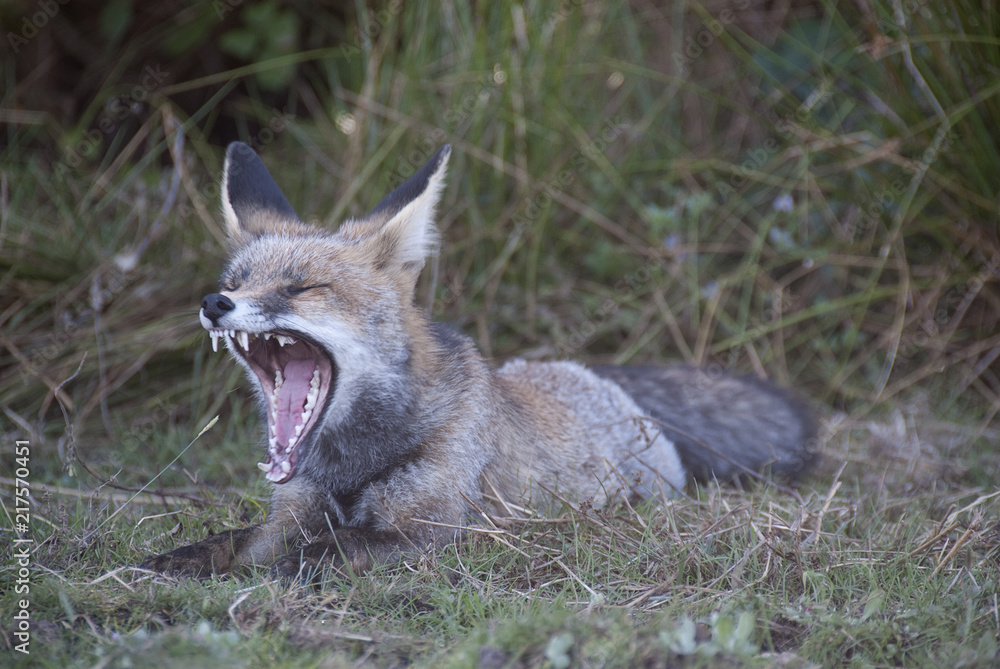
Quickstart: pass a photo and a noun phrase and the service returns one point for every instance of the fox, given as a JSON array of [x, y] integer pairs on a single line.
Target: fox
[[388, 434]]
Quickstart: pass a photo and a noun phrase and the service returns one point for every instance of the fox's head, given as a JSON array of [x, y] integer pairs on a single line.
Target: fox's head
[[310, 313]]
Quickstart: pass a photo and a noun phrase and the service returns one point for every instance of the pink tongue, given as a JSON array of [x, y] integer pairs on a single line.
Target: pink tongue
[[292, 398]]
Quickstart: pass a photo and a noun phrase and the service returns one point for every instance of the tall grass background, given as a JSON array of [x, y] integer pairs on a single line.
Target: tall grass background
[[804, 191]]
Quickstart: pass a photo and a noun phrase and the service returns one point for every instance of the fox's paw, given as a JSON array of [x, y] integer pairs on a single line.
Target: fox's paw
[[186, 561], [214, 555], [343, 553], [308, 564]]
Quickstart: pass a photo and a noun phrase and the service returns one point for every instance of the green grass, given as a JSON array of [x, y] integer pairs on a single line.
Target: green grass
[[612, 197]]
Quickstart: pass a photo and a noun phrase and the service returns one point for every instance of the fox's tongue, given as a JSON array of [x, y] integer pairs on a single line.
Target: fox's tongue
[[291, 399]]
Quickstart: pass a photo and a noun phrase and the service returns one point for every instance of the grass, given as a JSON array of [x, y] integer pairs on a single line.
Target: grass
[[809, 197]]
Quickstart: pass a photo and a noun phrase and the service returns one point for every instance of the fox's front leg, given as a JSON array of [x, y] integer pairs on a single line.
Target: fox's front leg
[[259, 544]]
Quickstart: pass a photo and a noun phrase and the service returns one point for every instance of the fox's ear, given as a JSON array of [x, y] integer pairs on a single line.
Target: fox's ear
[[399, 233], [252, 202]]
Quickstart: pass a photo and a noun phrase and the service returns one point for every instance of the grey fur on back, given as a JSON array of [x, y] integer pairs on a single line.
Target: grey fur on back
[[722, 426]]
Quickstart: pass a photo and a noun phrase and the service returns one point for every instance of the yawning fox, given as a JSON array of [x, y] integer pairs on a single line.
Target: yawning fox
[[387, 433]]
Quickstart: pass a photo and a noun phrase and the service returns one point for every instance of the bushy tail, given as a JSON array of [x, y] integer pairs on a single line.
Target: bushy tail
[[723, 426]]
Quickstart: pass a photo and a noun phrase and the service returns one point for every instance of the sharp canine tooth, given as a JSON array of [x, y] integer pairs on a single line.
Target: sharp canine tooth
[[215, 340], [285, 467], [267, 335], [245, 340], [261, 466]]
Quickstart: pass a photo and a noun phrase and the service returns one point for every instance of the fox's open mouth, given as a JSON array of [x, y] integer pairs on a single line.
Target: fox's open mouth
[[297, 377]]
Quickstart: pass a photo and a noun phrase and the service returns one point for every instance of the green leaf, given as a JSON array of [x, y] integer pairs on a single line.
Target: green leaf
[[260, 17], [238, 42], [284, 32], [876, 602], [115, 19], [188, 35], [682, 639], [557, 651]]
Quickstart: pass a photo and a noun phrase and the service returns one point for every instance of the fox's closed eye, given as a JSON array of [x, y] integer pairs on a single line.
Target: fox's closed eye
[[298, 290]]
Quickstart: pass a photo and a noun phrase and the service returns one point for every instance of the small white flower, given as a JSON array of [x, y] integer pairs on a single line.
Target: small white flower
[[783, 203]]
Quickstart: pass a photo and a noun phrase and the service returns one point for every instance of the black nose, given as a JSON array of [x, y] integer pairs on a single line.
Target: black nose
[[216, 305]]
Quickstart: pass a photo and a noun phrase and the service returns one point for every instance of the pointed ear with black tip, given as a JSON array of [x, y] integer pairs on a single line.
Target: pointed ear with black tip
[[399, 233], [252, 203]]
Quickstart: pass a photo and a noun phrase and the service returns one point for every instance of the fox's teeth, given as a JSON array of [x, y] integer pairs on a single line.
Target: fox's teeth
[[298, 430], [215, 340], [288, 449], [282, 340], [267, 335], [278, 380], [313, 394], [293, 441], [285, 467], [245, 340], [261, 466], [274, 430], [306, 415]]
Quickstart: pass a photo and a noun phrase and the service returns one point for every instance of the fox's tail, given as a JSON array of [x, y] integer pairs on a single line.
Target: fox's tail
[[722, 426]]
